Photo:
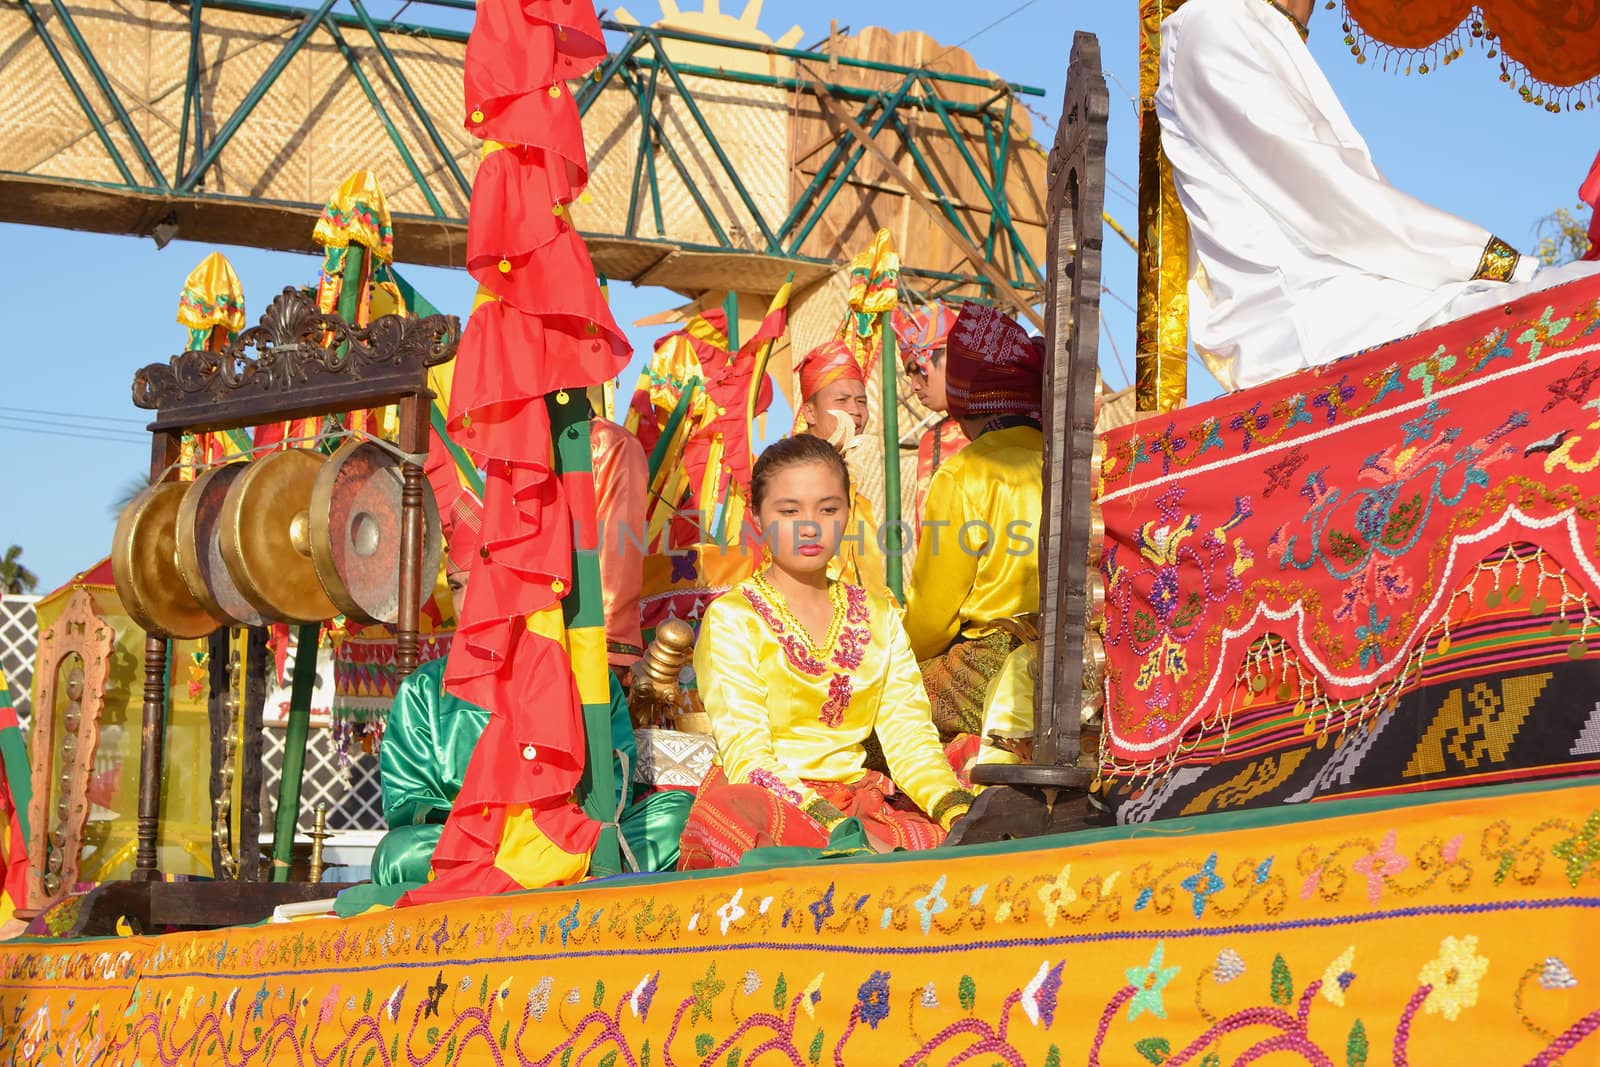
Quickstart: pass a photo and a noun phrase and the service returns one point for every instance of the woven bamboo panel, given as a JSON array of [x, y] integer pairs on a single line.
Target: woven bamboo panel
[[873, 199], [751, 126], [314, 124], [311, 128]]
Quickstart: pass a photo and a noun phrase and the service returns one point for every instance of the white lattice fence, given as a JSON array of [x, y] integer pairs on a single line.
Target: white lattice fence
[[19, 645], [355, 802]]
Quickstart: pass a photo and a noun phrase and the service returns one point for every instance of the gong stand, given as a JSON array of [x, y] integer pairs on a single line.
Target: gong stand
[[1049, 794], [238, 697], [298, 363]]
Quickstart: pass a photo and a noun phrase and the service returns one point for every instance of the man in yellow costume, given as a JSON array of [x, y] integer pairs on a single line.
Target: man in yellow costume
[[975, 587], [833, 403]]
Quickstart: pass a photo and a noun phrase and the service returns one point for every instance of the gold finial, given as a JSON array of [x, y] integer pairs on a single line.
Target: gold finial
[[319, 834], [655, 689]]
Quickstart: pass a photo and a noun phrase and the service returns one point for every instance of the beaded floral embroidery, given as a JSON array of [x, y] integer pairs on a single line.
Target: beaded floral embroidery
[[848, 637]]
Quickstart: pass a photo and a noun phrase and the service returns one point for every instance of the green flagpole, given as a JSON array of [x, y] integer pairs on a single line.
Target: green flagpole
[[889, 373]]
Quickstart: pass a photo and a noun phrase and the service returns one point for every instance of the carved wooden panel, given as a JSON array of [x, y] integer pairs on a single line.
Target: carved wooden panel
[[1068, 552], [80, 640], [288, 367]]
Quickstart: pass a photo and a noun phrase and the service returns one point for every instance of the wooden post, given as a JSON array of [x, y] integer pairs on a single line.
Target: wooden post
[[164, 450], [414, 443], [257, 666]]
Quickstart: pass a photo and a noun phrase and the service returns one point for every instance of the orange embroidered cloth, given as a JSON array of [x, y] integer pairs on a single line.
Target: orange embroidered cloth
[[1445, 932]]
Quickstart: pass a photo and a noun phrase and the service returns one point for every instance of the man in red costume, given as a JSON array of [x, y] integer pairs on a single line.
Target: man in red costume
[[922, 334], [622, 493]]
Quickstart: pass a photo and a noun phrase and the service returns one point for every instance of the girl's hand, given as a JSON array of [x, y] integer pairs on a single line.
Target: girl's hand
[[880, 844]]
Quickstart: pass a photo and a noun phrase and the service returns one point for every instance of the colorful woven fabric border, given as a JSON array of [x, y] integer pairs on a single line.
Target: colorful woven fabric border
[[1318, 532], [1427, 934], [1506, 694]]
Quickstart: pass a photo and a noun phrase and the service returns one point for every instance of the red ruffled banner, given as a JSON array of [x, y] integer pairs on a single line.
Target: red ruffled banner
[[549, 330]]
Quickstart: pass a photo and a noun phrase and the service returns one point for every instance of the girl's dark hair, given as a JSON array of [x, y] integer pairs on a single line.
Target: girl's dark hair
[[790, 452]]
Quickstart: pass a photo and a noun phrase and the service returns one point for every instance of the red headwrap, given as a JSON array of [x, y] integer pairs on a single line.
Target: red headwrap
[[825, 364], [992, 366], [921, 332]]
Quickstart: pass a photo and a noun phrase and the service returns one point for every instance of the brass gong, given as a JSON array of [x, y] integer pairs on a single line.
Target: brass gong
[[266, 537], [200, 548], [144, 566], [355, 531]]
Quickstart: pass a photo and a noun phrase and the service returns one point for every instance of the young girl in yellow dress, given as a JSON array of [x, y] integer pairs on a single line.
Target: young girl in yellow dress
[[796, 671]]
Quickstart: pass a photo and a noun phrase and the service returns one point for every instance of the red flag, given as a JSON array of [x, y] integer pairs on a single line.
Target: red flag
[[1589, 192]]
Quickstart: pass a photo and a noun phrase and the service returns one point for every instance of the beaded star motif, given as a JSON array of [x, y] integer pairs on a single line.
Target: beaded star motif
[[848, 638]]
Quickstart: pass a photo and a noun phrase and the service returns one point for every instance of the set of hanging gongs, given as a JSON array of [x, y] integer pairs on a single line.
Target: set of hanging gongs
[[293, 537]]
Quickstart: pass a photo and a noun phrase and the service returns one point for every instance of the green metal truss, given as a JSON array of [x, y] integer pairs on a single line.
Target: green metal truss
[[638, 65]]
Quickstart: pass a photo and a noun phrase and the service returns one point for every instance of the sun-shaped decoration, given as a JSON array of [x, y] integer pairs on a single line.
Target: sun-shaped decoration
[[711, 22]]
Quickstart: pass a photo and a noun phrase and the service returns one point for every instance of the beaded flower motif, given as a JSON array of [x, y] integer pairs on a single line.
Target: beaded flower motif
[[849, 642]]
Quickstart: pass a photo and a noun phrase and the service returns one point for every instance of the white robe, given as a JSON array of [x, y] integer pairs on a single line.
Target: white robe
[[1301, 252]]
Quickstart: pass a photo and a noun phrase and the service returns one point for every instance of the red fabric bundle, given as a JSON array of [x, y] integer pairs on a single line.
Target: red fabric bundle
[[1589, 192], [550, 330]]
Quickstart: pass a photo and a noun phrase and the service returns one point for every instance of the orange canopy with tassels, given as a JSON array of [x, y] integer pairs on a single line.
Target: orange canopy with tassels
[[1548, 50]]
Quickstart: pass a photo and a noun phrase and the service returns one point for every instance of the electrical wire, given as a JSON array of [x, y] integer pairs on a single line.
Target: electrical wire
[[57, 424], [1118, 299], [1115, 351], [74, 415], [4, 426], [974, 35]]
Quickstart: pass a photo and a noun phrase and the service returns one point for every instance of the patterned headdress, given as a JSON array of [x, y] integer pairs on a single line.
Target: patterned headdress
[[921, 332], [825, 364], [462, 526], [992, 367]]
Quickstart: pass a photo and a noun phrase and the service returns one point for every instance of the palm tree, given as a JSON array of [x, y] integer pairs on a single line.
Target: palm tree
[[14, 577], [130, 489]]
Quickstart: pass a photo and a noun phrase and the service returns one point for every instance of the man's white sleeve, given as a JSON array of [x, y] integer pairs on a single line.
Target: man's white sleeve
[[1241, 95]]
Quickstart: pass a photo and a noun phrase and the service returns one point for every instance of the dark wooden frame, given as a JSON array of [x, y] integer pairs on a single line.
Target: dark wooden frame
[[256, 664], [1027, 799], [297, 363]]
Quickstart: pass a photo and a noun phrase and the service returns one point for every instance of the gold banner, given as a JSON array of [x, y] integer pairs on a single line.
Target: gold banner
[[1163, 326]]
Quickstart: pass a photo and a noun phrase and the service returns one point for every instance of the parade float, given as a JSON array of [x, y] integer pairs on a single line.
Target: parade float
[[1332, 634]]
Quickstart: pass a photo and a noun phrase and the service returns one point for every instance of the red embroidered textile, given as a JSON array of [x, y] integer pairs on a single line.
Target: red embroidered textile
[[729, 820], [727, 383], [1320, 527], [829, 362], [992, 366], [549, 330]]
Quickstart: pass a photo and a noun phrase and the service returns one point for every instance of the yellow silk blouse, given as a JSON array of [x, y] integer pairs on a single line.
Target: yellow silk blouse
[[784, 711], [978, 551]]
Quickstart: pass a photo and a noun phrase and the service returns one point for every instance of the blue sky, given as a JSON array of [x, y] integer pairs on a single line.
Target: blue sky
[[84, 311]]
